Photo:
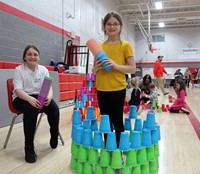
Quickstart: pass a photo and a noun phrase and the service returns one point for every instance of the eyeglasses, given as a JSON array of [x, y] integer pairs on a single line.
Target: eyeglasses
[[114, 25]]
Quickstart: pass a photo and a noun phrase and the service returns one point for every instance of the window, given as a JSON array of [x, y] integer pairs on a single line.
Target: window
[[158, 38]]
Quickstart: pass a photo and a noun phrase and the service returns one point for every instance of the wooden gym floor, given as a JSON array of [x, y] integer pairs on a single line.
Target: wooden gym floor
[[179, 145]]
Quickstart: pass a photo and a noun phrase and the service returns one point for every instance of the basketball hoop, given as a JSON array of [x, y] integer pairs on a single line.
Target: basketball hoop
[[151, 48]]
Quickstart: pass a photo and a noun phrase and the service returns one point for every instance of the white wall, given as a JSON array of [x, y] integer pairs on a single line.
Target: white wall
[[81, 17], [175, 41]]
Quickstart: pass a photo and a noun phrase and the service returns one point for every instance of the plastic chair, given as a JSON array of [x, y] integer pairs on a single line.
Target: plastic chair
[[10, 88]]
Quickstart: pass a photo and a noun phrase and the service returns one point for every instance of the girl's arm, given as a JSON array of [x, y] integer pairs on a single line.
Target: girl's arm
[[129, 68]]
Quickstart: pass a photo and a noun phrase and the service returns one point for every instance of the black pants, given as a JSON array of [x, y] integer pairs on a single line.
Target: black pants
[[30, 118], [174, 110], [112, 104]]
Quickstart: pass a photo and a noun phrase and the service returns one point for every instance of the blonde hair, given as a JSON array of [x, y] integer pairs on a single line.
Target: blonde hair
[[134, 83]]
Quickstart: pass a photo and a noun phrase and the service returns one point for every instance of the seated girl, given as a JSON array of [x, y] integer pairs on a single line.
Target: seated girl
[[135, 96], [179, 102]]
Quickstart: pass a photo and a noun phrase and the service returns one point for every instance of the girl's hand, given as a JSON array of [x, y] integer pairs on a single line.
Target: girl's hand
[[97, 66], [47, 101], [110, 62], [34, 102]]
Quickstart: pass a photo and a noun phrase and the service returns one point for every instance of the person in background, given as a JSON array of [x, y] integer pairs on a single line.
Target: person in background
[[177, 76], [134, 97], [153, 95], [28, 79], [187, 77], [198, 76], [143, 85], [111, 85], [158, 71], [195, 76], [179, 102]]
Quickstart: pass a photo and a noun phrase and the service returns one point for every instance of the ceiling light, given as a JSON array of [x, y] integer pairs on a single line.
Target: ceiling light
[[158, 5], [161, 24]]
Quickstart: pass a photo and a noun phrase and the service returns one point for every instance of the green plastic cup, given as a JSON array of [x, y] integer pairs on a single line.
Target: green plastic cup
[[88, 168], [153, 166], [145, 169], [104, 158], [110, 170], [126, 170], [131, 159], [157, 162], [75, 150], [136, 170], [83, 154], [98, 169], [73, 164], [159, 110], [150, 153], [93, 156], [80, 166], [141, 156], [116, 162], [156, 150], [153, 103]]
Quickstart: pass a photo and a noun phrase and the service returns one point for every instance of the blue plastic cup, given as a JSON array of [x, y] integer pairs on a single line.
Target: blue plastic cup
[[101, 55], [133, 112], [136, 140], [138, 124], [84, 98], [90, 83], [105, 124], [94, 125], [73, 133], [111, 143], [127, 124], [86, 124], [154, 136], [87, 138], [81, 104], [158, 128], [77, 103], [150, 121], [124, 144], [90, 113], [78, 135], [77, 120], [98, 140], [146, 138]]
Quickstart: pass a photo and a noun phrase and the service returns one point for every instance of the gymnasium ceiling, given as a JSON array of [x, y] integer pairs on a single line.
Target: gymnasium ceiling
[[175, 13]]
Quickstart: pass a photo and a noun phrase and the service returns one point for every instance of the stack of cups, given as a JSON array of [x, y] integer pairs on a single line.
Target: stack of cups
[[98, 52]]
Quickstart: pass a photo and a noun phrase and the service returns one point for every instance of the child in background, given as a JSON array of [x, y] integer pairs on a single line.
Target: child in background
[[134, 97], [179, 102], [153, 95]]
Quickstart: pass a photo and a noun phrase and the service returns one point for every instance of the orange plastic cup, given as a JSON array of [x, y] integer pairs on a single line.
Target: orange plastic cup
[[93, 46]]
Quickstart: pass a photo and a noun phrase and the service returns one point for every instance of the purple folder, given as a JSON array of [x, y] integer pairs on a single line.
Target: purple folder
[[44, 90]]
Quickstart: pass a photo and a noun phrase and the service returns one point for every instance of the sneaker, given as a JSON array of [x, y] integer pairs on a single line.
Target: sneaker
[[185, 110], [166, 93]]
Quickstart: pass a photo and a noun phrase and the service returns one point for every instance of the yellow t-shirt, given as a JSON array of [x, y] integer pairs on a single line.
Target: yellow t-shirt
[[114, 80]]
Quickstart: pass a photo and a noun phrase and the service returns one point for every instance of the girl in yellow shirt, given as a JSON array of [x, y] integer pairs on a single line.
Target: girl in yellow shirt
[[111, 85]]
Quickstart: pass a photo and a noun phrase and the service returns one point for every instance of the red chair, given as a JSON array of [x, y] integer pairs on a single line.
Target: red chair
[[10, 88]]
